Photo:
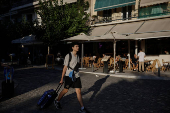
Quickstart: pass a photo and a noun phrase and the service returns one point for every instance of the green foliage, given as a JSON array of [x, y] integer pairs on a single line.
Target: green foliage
[[61, 21], [13, 30]]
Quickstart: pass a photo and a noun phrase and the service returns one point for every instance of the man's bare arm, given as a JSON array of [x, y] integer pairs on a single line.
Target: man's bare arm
[[63, 73]]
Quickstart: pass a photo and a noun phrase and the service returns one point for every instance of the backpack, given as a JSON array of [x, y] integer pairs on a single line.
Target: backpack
[[71, 74]]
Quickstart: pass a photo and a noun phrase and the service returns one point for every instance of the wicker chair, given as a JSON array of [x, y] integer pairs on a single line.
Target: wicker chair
[[159, 65], [98, 64], [152, 66], [86, 63]]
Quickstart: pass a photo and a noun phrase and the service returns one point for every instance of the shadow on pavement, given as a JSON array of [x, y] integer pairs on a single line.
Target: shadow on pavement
[[28, 79], [111, 95], [96, 87]]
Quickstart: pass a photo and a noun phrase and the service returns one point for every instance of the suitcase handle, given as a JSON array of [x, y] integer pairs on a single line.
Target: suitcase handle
[[58, 87]]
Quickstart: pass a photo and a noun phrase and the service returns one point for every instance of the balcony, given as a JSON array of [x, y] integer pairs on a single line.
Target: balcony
[[119, 18], [116, 18]]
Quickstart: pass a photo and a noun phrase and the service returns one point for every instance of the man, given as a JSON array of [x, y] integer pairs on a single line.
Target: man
[[141, 56], [68, 81], [134, 62], [166, 52]]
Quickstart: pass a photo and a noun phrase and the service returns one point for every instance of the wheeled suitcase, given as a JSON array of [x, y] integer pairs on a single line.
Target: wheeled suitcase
[[8, 83], [48, 97], [7, 89]]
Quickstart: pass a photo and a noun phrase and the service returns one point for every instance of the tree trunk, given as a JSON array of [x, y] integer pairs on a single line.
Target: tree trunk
[[48, 50]]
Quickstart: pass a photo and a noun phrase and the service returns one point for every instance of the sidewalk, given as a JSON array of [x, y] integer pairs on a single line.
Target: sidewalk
[[103, 94]]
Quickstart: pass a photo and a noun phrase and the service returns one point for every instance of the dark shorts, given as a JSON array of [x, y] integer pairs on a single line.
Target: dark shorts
[[134, 63], [69, 83]]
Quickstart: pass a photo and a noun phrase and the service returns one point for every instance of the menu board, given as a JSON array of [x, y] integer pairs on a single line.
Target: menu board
[[50, 60], [105, 58]]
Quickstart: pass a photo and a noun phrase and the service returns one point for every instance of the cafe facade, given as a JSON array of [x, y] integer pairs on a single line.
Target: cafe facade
[[145, 23]]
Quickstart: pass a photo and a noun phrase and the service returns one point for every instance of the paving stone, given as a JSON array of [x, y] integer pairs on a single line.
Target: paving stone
[[103, 94]]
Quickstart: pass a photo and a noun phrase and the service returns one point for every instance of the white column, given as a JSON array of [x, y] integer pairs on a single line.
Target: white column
[[127, 13], [114, 55], [129, 52], [143, 45], [136, 47]]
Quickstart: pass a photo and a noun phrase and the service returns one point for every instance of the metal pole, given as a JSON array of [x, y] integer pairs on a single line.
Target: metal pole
[[158, 71], [82, 54], [114, 55], [114, 51]]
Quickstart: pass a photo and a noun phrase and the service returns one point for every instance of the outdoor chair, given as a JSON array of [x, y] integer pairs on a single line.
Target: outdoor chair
[[126, 65], [111, 63], [101, 63], [86, 64], [98, 64], [151, 67], [159, 65], [165, 64]]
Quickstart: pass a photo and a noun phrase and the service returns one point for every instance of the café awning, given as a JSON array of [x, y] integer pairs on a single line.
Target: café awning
[[26, 39], [157, 25], [152, 2], [157, 28], [152, 28], [127, 28], [81, 37], [101, 5], [102, 30], [149, 35]]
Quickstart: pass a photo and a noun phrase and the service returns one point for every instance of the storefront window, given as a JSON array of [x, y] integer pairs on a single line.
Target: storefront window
[[157, 46]]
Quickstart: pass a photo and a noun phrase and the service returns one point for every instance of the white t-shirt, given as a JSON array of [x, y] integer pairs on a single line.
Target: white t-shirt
[[141, 56], [73, 63]]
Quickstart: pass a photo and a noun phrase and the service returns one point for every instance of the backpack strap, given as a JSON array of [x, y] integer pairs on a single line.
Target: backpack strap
[[70, 58]]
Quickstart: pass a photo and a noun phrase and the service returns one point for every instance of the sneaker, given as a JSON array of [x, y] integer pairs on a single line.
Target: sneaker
[[84, 111], [57, 104]]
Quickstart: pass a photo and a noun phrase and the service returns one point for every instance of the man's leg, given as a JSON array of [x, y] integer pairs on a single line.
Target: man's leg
[[57, 102], [79, 96], [136, 66], [62, 93], [143, 66], [133, 66], [139, 66]]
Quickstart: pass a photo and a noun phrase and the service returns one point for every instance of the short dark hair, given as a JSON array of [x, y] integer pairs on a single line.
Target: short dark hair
[[74, 43]]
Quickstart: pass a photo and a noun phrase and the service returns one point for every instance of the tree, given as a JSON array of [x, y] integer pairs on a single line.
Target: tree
[[11, 30], [61, 20]]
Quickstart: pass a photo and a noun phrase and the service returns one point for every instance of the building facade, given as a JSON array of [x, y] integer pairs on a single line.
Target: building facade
[[146, 22]]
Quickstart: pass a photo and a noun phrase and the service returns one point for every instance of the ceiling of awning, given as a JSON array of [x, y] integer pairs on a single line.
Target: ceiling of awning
[[145, 29], [149, 35], [151, 2], [98, 31], [155, 25], [127, 28]]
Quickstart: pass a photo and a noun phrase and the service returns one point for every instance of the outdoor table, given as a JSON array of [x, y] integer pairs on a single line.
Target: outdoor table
[[91, 60], [105, 61], [105, 68], [168, 62], [121, 66], [146, 63]]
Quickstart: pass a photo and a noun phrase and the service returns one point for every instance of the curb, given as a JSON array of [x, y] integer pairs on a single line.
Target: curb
[[129, 76]]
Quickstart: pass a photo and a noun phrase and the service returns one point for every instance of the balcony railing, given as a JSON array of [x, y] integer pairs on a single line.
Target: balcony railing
[[111, 19], [102, 20]]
